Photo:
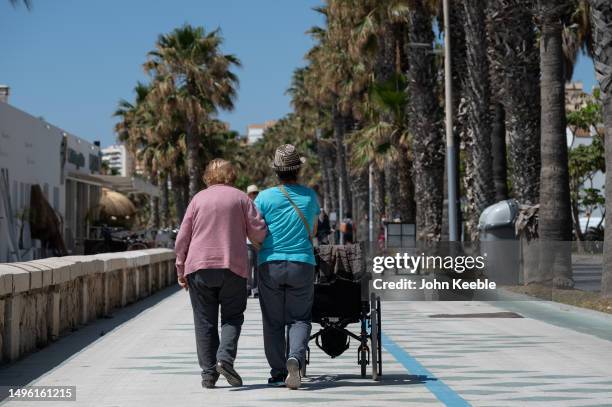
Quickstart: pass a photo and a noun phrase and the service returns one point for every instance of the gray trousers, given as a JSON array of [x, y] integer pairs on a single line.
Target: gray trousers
[[209, 289], [286, 293]]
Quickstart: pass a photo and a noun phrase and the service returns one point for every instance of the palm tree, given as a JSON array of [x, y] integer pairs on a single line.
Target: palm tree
[[134, 130], [336, 80], [515, 62], [555, 219], [425, 124], [381, 37], [289, 129], [129, 114], [385, 138], [601, 20], [477, 95], [195, 81], [498, 152], [312, 115]]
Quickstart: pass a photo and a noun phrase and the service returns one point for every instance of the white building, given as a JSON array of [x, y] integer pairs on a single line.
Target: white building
[[118, 159], [575, 139], [32, 152], [255, 131], [575, 99]]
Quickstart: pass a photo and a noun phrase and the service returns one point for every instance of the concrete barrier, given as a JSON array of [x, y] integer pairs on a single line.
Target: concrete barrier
[[44, 299]]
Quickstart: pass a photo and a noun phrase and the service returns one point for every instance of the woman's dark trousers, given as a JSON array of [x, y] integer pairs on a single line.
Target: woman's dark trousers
[[209, 289]]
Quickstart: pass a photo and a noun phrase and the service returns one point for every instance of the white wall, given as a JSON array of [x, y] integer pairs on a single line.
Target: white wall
[[254, 134], [598, 180], [31, 150]]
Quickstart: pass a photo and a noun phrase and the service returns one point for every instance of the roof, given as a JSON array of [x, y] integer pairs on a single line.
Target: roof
[[125, 185]]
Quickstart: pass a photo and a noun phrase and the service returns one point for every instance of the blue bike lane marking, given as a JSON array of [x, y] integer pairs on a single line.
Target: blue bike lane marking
[[437, 387]]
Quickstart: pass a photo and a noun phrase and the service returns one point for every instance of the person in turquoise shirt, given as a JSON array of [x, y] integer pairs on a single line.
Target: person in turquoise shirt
[[287, 238], [286, 267]]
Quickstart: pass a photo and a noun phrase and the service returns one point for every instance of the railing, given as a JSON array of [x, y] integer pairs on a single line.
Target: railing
[[41, 300]]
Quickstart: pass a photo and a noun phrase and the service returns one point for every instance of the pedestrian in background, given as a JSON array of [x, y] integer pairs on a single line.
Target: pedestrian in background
[[252, 192], [323, 228], [347, 228], [211, 259]]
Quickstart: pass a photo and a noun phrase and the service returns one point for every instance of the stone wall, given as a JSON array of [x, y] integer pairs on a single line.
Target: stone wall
[[42, 300]]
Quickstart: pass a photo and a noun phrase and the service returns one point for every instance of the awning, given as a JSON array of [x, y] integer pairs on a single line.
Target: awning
[[125, 185]]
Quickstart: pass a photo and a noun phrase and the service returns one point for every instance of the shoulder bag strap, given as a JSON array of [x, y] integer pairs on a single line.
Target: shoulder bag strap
[[299, 212]]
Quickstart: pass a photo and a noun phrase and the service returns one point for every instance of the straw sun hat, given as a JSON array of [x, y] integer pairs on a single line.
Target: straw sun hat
[[287, 158]]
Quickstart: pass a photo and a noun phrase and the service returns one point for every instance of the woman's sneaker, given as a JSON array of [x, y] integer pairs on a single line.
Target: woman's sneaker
[[294, 378], [277, 381]]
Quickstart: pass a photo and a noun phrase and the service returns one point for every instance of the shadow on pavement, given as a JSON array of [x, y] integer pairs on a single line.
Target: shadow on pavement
[[349, 380], [39, 363]]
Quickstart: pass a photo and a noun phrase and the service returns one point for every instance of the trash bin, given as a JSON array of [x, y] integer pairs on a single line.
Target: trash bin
[[499, 243]]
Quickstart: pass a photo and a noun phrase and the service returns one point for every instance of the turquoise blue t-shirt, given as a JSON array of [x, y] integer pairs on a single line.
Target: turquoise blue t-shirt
[[287, 238]]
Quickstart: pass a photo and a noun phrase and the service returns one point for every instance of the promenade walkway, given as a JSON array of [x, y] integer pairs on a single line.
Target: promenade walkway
[[145, 356]]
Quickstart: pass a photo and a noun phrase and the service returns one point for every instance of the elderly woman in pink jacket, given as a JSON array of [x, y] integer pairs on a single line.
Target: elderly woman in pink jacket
[[211, 262]]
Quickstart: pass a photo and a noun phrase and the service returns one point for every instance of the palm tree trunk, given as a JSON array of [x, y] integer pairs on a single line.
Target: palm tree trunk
[[194, 162], [325, 183], [393, 190], [498, 152], [478, 165], [555, 218], [424, 124], [153, 206], [406, 187], [387, 63], [164, 206], [459, 69], [349, 126], [360, 195], [178, 196], [606, 279], [333, 186], [379, 199], [514, 58], [154, 214], [601, 18], [185, 190], [341, 170]]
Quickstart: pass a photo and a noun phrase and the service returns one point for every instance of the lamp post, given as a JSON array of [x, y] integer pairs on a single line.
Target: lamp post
[[340, 207], [451, 153], [371, 203]]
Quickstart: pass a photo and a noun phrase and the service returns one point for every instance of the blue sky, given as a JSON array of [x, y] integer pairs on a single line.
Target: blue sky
[[70, 61]]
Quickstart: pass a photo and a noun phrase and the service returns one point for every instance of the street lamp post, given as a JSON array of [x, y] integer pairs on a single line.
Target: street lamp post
[[451, 157], [340, 207], [371, 203]]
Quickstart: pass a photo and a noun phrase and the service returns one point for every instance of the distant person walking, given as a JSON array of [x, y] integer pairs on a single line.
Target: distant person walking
[[347, 228], [211, 260], [323, 228], [252, 192], [286, 268]]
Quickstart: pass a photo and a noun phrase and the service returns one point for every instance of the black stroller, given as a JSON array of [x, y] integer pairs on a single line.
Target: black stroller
[[341, 298]]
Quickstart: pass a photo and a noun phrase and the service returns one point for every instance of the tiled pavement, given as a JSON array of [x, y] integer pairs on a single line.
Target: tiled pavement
[[150, 360]]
